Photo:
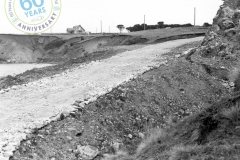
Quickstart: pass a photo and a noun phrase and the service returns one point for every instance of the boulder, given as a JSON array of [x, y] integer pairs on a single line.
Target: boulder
[[87, 152], [230, 32], [236, 17], [227, 24], [227, 12]]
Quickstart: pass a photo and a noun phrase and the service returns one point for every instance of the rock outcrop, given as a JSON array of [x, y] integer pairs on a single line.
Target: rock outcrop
[[219, 53], [224, 35]]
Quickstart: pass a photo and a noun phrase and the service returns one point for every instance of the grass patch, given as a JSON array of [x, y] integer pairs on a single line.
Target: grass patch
[[183, 152], [153, 136], [211, 134], [232, 113]]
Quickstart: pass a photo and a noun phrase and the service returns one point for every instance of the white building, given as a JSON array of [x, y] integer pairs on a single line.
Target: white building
[[76, 29]]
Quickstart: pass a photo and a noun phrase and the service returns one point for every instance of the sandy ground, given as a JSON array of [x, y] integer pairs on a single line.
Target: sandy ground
[[30, 106], [14, 69]]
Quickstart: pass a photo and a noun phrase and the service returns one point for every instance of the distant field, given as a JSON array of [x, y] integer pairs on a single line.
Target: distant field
[[163, 33]]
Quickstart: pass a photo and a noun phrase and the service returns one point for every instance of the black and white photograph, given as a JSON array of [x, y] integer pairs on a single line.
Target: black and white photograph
[[120, 80]]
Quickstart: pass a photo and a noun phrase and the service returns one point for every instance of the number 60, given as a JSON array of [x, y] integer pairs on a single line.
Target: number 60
[[30, 3]]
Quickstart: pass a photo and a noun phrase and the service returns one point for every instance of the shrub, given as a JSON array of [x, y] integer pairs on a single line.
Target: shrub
[[153, 136], [232, 113]]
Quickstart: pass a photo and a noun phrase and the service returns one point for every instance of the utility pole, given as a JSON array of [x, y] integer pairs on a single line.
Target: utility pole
[[96, 30], [144, 23], [109, 29], [101, 26], [194, 16]]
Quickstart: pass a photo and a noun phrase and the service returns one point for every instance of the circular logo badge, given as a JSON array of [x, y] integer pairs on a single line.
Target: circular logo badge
[[33, 16]]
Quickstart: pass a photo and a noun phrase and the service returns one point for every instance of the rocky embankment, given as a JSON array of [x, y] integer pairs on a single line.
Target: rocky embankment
[[42, 101], [219, 52], [213, 133], [187, 109]]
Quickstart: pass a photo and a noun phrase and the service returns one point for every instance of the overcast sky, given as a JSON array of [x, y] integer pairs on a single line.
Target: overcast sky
[[89, 13]]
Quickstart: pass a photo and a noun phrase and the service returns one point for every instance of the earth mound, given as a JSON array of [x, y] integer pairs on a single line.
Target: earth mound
[[51, 49]]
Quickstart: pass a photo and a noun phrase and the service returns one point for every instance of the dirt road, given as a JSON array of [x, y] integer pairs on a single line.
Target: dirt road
[[30, 106]]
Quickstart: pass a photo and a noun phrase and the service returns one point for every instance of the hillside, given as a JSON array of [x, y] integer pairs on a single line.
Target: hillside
[[186, 107], [62, 48], [214, 132], [156, 35], [50, 49]]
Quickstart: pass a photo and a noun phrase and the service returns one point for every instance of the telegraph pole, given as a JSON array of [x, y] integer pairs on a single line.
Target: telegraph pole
[[109, 29], [144, 23], [194, 16], [101, 26]]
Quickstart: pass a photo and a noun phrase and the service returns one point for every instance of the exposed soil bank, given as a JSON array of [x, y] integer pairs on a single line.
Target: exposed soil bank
[[167, 93], [50, 49], [58, 49], [41, 101]]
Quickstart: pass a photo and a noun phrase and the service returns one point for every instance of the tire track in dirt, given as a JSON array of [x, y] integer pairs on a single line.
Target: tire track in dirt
[[30, 106]]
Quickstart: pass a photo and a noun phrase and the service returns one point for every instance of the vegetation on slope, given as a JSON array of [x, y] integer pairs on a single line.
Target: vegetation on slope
[[206, 126], [214, 132]]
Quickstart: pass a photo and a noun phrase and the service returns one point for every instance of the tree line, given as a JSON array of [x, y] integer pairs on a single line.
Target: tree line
[[138, 27]]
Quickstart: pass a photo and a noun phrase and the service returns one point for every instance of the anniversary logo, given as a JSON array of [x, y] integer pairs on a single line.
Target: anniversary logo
[[33, 16]]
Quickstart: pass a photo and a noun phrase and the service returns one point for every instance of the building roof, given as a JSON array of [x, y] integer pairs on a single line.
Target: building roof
[[79, 26]]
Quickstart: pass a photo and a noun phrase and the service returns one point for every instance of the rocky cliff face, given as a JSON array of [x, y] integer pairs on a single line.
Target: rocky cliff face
[[219, 52], [224, 36]]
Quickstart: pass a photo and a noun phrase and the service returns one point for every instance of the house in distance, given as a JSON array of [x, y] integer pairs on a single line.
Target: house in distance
[[76, 29]]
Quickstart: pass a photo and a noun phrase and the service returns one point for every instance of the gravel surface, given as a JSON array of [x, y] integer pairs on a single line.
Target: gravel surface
[[40, 102], [118, 121]]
